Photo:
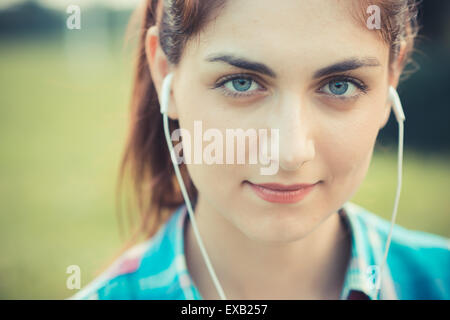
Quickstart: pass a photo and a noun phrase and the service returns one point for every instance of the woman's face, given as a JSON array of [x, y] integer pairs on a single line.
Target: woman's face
[[324, 86]]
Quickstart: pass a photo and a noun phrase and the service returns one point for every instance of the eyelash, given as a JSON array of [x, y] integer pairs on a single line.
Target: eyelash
[[221, 85], [344, 78]]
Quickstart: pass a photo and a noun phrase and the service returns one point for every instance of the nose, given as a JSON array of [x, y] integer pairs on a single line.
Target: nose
[[295, 123]]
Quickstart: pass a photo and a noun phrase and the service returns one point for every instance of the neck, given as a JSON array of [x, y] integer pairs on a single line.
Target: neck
[[310, 268]]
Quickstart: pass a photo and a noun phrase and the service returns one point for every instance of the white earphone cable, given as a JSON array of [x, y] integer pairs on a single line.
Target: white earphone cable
[[164, 109], [400, 118]]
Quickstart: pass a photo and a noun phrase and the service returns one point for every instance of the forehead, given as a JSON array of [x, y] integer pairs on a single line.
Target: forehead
[[307, 32]]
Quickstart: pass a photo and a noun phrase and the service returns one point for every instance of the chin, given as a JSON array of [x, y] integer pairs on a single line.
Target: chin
[[277, 231]]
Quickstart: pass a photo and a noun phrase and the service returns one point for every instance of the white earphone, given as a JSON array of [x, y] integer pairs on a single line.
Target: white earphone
[[394, 99], [165, 97]]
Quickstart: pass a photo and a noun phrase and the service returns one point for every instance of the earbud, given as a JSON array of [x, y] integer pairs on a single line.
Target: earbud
[[396, 103], [165, 94]]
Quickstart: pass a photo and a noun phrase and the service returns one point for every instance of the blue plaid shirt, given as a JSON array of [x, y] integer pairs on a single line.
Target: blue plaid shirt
[[418, 264]]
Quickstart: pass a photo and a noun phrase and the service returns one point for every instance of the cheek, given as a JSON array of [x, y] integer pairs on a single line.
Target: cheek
[[217, 182], [347, 147]]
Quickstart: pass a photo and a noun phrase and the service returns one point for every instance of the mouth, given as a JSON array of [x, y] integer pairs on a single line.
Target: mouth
[[279, 193]]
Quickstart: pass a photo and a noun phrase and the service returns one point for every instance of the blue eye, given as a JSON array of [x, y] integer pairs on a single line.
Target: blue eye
[[338, 87], [241, 84], [343, 88]]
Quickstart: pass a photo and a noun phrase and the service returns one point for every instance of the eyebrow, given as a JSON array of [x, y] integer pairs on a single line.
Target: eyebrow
[[342, 66], [347, 65], [242, 63]]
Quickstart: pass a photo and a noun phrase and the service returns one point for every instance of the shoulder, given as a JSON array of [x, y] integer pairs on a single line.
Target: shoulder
[[145, 271], [419, 262]]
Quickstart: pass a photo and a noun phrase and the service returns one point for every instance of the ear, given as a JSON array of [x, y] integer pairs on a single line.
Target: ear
[[159, 66], [397, 65], [394, 76]]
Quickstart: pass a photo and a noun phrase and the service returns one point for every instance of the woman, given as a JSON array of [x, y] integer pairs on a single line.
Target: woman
[[319, 72]]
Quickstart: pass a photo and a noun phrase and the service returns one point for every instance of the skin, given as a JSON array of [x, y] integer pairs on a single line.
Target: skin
[[259, 249]]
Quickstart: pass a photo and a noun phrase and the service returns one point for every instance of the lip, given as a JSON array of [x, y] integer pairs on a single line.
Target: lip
[[279, 193]]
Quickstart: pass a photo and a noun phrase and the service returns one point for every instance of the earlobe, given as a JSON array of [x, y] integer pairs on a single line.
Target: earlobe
[[158, 65], [386, 115]]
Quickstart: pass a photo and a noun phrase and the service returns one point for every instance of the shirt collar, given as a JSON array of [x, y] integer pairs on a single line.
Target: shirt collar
[[367, 252]]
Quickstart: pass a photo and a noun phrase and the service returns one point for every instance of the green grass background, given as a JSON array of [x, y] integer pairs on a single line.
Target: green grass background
[[62, 130]]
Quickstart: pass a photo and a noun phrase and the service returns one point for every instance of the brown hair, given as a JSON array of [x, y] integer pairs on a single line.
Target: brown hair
[[401, 25], [146, 156]]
